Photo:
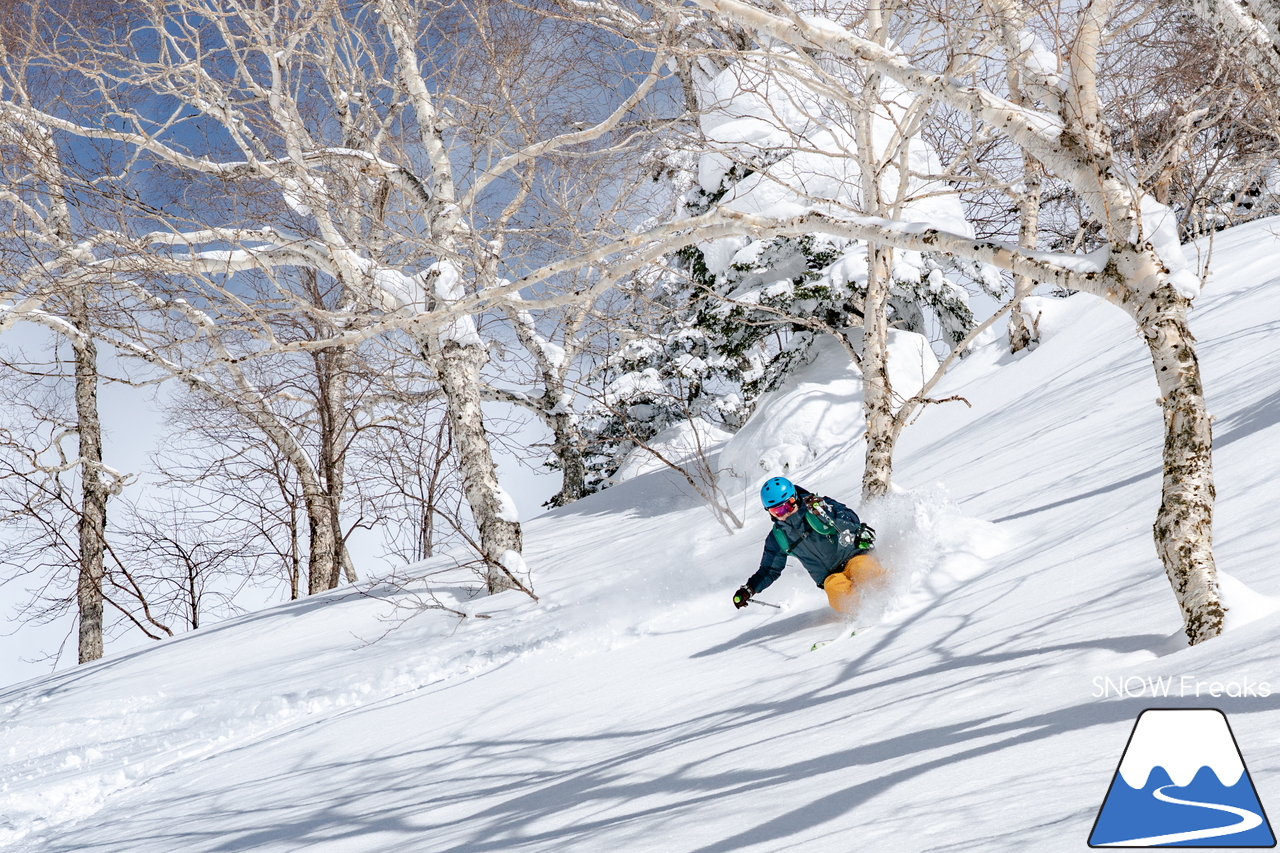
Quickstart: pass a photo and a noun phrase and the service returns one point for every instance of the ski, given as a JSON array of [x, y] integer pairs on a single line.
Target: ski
[[823, 643]]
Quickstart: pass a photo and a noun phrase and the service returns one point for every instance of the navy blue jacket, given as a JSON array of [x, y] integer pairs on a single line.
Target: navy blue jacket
[[820, 554]]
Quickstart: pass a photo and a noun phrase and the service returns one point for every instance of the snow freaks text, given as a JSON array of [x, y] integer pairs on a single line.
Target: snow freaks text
[[1135, 686]]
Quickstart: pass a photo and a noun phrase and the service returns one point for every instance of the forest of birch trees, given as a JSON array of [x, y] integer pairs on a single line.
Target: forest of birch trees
[[342, 253]]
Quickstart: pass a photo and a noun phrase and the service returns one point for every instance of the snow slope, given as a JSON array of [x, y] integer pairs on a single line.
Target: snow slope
[[632, 708]]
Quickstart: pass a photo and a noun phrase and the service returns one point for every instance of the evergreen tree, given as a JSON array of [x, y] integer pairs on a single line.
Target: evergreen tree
[[735, 316]]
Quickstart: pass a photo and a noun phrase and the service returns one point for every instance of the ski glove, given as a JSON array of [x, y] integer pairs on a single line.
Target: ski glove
[[741, 597]]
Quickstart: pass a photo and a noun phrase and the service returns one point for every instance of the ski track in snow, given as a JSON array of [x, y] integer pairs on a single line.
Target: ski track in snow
[[142, 738], [73, 796]]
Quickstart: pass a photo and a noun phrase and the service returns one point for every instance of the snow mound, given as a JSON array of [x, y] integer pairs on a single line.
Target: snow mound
[[1243, 604]]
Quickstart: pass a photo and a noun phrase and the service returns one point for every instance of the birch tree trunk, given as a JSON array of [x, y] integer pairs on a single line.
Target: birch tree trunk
[[499, 534], [1024, 330], [323, 559], [1184, 523], [332, 373], [877, 399], [1183, 529], [93, 504], [566, 436], [568, 450], [553, 406], [92, 523], [877, 395]]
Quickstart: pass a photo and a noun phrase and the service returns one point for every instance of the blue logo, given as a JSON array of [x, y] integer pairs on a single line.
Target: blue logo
[[1182, 783]]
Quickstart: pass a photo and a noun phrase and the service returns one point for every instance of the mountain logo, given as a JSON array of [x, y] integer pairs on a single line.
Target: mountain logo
[[1181, 783]]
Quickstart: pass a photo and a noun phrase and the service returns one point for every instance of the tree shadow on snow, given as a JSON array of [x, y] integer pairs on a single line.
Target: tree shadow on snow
[[1247, 421], [1154, 473]]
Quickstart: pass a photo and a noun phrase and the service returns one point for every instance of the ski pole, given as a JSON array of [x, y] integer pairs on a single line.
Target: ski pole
[[765, 603]]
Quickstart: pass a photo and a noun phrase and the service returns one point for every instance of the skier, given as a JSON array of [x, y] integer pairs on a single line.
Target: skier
[[825, 535]]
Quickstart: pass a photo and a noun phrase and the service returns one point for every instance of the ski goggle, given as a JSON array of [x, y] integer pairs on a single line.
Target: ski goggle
[[783, 509]]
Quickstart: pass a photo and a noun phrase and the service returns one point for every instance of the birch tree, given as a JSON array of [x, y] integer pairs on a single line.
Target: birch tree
[[353, 141], [51, 245], [1143, 272], [190, 563], [214, 452]]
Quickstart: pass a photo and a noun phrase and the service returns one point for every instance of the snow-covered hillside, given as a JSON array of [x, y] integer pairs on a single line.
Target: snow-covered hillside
[[633, 709]]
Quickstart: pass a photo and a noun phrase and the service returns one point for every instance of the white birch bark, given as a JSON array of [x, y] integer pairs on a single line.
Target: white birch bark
[[1011, 17], [460, 378], [1024, 330], [1183, 528], [877, 402], [552, 405], [877, 393], [332, 372], [94, 491]]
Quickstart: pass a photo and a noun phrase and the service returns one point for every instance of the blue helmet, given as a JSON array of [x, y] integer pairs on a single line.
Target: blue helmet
[[776, 490]]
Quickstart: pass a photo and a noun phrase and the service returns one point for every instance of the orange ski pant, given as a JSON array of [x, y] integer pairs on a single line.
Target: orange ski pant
[[844, 589]]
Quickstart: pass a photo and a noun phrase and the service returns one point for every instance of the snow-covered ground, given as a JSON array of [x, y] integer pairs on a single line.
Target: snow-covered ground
[[632, 708]]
